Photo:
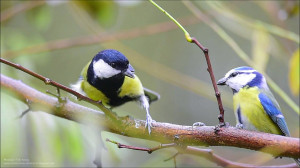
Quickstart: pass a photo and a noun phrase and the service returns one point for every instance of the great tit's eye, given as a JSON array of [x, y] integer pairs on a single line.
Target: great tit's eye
[[234, 74]]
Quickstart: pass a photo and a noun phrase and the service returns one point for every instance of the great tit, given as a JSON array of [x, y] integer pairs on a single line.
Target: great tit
[[110, 78], [254, 105]]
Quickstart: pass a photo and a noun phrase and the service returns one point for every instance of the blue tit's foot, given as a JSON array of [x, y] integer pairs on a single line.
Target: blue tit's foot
[[220, 125], [198, 124], [149, 122], [224, 124], [239, 126]]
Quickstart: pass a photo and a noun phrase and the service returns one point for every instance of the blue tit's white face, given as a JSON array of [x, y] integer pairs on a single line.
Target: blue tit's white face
[[240, 77]]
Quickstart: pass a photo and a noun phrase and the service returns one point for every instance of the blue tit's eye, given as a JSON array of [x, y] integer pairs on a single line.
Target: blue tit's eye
[[234, 74]]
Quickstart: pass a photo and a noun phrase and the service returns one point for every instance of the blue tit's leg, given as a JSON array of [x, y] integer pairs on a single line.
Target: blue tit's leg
[[297, 161], [239, 126]]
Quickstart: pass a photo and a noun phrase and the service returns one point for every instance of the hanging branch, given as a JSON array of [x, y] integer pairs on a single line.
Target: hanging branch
[[149, 150], [205, 153], [209, 67]]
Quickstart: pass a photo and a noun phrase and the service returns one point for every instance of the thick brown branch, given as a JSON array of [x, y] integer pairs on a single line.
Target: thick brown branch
[[161, 132]]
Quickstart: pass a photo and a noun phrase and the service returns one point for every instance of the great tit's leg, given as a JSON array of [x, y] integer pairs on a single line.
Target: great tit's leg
[[149, 121], [239, 126], [145, 104], [198, 124]]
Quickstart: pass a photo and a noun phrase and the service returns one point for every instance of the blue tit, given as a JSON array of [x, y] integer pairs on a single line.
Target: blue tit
[[254, 105], [110, 78]]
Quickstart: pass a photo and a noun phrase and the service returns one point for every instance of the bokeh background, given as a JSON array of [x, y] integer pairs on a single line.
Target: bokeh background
[[57, 38]]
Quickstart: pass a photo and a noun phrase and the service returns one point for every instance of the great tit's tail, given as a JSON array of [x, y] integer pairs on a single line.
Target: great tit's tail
[[151, 95], [297, 161]]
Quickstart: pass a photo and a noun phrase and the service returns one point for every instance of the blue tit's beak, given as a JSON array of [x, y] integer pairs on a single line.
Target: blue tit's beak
[[129, 72], [222, 81]]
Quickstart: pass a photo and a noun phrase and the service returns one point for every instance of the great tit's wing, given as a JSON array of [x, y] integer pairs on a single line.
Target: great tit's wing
[[271, 107], [84, 71], [151, 95]]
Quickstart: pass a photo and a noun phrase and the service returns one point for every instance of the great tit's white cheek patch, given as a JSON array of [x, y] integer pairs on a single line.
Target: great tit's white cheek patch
[[240, 81], [103, 70]]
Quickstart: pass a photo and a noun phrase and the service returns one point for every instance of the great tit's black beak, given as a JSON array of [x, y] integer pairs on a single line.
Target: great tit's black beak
[[129, 72], [222, 81]]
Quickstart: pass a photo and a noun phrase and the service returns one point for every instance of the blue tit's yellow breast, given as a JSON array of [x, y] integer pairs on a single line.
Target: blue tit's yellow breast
[[252, 112], [132, 87]]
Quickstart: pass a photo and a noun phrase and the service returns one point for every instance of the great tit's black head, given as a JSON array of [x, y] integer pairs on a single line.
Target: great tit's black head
[[109, 63]]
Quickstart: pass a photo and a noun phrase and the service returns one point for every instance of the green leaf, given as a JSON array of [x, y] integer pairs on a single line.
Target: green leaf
[[294, 73], [260, 49], [74, 142], [102, 11], [11, 130], [40, 17]]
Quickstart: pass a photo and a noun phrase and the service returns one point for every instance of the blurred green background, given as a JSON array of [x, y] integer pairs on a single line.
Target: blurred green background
[[57, 38]]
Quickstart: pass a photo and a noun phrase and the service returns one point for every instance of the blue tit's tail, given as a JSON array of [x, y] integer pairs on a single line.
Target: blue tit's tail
[[297, 161]]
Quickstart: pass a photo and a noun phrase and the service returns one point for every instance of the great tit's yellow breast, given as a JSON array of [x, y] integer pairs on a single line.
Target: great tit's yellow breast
[[94, 93], [252, 111], [132, 87]]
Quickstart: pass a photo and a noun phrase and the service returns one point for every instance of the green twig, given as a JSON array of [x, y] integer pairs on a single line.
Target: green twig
[[240, 52], [209, 67], [186, 33]]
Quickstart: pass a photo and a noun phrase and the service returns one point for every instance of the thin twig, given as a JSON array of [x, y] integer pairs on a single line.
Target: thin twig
[[239, 51], [149, 150], [209, 68], [213, 80], [48, 81], [172, 157], [205, 153], [21, 7], [100, 38]]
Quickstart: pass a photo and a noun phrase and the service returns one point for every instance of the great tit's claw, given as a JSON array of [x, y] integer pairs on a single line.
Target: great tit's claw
[[198, 124], [148, 123]]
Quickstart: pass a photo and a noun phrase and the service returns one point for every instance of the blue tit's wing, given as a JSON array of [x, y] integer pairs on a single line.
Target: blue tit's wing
[[271, 107]]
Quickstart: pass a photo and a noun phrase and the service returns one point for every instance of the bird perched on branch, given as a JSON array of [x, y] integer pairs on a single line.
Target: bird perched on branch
[[110, 78], [254, 105]]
